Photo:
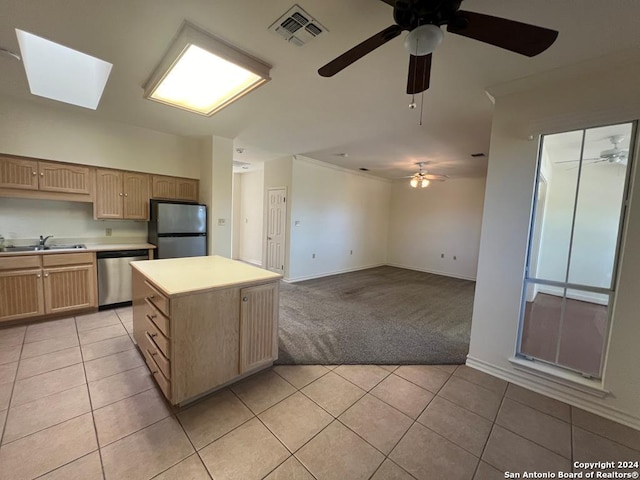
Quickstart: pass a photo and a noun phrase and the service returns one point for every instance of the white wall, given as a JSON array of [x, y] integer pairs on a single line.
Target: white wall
[[444, 218], [32, 130], [560, 101], [250, 216], [338, 212], [235, 218], [216, 190]]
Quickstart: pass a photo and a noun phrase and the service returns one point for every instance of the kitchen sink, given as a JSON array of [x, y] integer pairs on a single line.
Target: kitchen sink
[[38, 248]]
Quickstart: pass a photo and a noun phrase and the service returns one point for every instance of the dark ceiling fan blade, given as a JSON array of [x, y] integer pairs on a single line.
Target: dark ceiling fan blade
[[419, 73], [517, 37], [360, 50]]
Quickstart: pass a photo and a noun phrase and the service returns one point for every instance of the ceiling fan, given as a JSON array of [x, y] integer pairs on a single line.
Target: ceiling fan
[[610, 155], [422, 178], [423, 19]]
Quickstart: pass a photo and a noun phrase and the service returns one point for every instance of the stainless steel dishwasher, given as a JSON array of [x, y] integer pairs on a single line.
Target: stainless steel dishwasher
[[114, 276]]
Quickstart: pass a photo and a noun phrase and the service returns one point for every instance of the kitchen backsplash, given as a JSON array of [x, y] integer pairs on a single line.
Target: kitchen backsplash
[[23, 220]]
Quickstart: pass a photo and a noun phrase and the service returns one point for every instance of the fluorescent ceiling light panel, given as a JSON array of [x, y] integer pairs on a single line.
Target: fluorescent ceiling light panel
[[203, 74], [61, 73]]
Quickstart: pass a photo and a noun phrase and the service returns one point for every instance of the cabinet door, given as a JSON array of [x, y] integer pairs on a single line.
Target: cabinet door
[[69, 288], [18, 173], [136, 196], [163, 187], [258, 326], [187, 189], [56, 177], [21, 294], [109, 194]]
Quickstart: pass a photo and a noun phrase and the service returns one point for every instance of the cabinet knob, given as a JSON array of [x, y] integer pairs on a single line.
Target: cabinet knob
[[152, 296], [153, 335], [34, 173], [120, 193], [38, 276], [42, 174], [46, 275], [245, 299], [126, 194]]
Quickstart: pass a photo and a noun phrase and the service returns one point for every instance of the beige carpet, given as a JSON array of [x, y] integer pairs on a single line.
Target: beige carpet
[[383, 315]]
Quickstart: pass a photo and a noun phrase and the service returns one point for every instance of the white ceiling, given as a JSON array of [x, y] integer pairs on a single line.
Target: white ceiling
[[362, 111]]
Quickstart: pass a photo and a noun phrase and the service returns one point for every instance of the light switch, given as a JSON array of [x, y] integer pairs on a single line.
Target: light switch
[[222, 222], [297, 223]]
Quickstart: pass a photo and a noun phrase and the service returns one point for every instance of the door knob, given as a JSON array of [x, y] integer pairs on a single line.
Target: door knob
[[245, 299]]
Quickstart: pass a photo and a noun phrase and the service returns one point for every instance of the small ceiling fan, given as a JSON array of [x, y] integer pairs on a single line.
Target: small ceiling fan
[[610, 155], [422, 178], [423, 19]]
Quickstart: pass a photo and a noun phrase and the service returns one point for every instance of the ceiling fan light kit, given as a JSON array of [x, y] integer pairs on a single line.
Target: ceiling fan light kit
[[423, 20], [418, 180], [423, 40]]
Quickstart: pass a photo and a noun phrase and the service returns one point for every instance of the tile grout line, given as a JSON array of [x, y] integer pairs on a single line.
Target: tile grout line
[[13, 387], [486, 442], [93, 418]]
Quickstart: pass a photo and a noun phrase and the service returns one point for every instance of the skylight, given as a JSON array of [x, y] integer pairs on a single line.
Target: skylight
[[203, 74], [61, 73]]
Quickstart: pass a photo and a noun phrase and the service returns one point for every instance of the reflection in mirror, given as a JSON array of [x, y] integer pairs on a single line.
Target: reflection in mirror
[[574, 240]]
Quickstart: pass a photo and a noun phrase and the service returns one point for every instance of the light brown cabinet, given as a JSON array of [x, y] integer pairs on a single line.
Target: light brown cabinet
[[27, 174], [121, 194], [197, 342], [38, 285], [174, 188], [21, 288]]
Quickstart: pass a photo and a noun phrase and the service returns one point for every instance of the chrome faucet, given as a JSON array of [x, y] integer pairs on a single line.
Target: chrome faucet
[[43, 240]]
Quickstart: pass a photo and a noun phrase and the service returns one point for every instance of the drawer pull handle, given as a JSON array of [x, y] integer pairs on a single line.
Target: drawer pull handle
[[153, 353], [151, 334], [152, 296], [151, 317], [154, 372]]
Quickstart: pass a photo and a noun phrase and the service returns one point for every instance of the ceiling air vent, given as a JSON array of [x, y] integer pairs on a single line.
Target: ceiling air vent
[[297, 26]]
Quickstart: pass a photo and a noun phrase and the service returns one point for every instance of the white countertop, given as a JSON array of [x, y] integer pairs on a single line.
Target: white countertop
[[177, 276]]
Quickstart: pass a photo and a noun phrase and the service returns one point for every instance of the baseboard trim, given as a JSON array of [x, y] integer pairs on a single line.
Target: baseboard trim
[[328, 274], [257, 263], [435, 272], [555, 390]]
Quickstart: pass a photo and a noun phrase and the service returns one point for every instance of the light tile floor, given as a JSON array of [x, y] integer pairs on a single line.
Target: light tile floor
[[77, 402]]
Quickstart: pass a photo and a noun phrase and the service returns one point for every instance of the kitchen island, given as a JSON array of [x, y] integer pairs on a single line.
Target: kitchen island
[[203, 322]]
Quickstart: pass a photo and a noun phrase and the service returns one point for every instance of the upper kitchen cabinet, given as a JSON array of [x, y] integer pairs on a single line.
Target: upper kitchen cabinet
[[174, 188], [35, 179], [122, 195]]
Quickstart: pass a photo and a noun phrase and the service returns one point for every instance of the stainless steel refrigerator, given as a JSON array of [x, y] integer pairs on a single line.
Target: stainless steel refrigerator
[[178, 229]]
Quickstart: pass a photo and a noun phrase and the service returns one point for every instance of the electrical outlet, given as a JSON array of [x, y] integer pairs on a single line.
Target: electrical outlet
[[108, 231], [313, 255], [222, 222], [442, 255]]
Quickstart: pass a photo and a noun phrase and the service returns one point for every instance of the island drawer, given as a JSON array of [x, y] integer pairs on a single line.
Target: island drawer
[[162, 381], [157, 337], [157, 298], [152, 349], [157, 317]]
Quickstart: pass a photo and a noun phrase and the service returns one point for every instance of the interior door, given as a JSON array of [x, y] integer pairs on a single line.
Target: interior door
[[276, 229]]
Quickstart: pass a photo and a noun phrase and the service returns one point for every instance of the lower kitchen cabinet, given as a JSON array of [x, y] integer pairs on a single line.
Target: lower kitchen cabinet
[[196, 342], [70, 282], [21, 288], [41, 285]]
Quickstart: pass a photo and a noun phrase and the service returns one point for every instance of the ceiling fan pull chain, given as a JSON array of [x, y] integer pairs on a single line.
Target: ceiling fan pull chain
[[421, 107]]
